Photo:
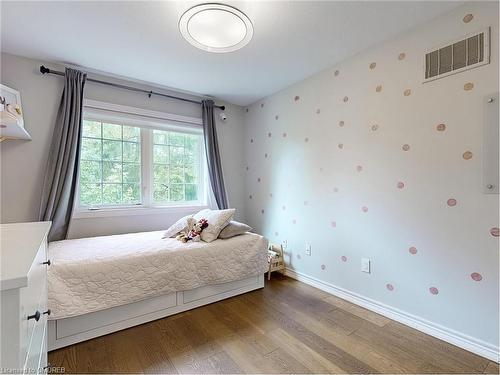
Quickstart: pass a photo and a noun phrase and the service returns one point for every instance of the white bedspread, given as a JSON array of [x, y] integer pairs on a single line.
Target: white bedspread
[[92, 274]]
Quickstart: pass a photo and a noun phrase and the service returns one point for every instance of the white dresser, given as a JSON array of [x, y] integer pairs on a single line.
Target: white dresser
[[23, 287]]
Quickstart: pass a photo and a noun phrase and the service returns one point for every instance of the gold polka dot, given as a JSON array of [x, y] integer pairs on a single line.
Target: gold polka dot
[[467, 155], [341, 123], [345, 99], [407, 92], [373, 65], [401, 56], [336, 73], [441, 127], [468, 17], [468, 86], [378, 88]]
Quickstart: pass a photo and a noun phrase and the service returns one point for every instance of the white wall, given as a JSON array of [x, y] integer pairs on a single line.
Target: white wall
[[304, 189], [23, 162]]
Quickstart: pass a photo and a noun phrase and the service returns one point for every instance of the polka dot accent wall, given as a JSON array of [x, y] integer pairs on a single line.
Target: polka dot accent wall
[[366, 161]]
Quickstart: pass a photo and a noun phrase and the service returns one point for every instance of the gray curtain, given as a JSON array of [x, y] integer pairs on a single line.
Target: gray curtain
[[59, 185], [212, 152]]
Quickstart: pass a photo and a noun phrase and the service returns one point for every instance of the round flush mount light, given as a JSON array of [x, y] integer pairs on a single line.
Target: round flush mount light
[[216, 28]]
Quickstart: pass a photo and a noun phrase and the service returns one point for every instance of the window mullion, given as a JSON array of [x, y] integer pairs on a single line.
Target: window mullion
[[146, 167]]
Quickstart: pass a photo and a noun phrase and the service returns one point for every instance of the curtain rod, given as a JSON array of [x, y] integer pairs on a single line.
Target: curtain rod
[[45, 70]]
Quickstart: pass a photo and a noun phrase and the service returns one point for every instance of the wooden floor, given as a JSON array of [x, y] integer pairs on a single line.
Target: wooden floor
[[287, 327]]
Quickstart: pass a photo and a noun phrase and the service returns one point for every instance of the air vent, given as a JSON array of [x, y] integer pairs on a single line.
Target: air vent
[[460, 55]]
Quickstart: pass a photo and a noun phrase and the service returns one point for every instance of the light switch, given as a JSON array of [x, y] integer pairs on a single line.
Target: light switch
[[365, 265]]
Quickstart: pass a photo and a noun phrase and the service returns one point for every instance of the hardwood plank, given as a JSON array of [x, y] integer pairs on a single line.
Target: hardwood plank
[[492, 368], [359, 311]]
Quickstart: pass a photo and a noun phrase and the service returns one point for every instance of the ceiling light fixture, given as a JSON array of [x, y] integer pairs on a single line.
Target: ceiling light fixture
[[216, 28]]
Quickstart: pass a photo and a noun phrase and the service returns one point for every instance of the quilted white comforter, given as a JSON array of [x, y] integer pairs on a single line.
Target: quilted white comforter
[[92, 274]]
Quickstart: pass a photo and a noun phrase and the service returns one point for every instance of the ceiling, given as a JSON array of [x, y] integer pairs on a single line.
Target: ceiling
[[141, 40]]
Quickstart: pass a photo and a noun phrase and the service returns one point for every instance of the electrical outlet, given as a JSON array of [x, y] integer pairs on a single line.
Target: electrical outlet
[[308, 249], [365, 265]]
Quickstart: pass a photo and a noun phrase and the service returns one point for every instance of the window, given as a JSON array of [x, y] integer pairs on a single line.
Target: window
[[131, 161], [110, 165], [175, 166]]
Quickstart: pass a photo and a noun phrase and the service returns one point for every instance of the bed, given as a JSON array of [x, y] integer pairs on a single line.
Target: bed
[[103, 284]]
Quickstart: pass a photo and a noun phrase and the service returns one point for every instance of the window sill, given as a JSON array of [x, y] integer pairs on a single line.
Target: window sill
[[136, 211]]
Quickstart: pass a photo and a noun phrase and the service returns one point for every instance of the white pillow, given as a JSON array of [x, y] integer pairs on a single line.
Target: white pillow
[[217, 220], [177, 227]]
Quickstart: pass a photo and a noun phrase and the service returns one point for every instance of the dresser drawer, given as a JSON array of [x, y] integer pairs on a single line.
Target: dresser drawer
[[33, 298]]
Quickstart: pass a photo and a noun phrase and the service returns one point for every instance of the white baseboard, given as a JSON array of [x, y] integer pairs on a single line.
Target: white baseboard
[[461, 340]]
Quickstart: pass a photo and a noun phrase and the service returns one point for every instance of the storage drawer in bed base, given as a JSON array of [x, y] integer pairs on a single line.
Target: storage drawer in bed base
[[64, 332]]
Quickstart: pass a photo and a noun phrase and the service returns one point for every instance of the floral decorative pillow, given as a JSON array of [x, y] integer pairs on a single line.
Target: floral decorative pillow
[[217, 220]]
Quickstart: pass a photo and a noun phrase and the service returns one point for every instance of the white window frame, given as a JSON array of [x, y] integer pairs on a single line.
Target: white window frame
[[148, 121]]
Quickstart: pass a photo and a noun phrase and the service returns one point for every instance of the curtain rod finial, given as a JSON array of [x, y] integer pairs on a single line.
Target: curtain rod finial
[[44, 70]]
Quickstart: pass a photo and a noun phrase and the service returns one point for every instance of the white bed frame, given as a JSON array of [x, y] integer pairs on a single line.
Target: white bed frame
[[68, 331]]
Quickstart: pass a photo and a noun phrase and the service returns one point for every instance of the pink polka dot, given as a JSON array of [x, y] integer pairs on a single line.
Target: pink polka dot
[[269, 134], [247, 168], [262, 211], [294, 221], [336, 73], [412, 250], [440, 127], [318, 111], [405, 147], [476, 276], [401, 185], [433, 290], [306, 139], [323, 267], [364, 209], [262, 105], [451, 202], [333, 224], [335, 190], [341, 123], [258, 180], [299, 256], [284, 135], [346, 99], [246, 109], [341, 145], [283, 208], [276, 117], [343, 258], [359, 168], [276, 234], [270, 195], [251, 140], [389, 287], [306, 203], [250, 196], [265, 155], [495, 232], [374, 127], [296, 97]]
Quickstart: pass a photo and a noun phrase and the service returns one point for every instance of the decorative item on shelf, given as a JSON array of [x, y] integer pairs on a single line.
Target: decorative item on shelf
[[275, 259], [11, 115]]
